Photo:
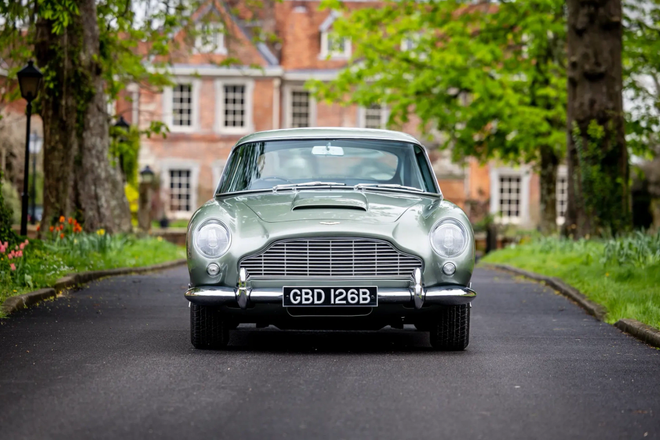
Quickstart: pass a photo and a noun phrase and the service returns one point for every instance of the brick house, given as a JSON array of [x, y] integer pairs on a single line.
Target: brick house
[[210, 107]]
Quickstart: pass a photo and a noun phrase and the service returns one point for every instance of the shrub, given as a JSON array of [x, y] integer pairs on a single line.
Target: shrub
[[638, 250], [7, 234]]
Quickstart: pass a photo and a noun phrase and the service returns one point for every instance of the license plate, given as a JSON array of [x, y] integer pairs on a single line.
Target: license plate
[[330, 296]]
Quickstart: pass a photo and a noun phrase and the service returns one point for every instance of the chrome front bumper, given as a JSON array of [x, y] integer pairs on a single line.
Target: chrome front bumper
[[244, 295]]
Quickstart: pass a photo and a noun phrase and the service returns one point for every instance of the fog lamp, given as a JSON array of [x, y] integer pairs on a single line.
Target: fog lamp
[[213, 269], [449, 269]]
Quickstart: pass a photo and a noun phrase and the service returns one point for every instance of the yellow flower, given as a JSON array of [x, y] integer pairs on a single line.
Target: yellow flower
[[160, 239], [100, 232], [607, 274]]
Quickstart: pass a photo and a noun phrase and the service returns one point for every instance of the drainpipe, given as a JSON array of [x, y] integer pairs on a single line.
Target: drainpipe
[[276, 102]]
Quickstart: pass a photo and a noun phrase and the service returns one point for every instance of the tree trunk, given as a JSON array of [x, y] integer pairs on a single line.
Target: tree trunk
[[548, 180], [58, 113], [598, 169], [99, 190], [79, 179]]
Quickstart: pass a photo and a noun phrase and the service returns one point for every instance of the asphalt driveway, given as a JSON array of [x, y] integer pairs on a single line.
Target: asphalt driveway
[[114, 361]]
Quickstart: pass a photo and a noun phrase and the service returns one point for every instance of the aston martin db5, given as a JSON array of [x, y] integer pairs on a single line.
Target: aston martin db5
[[330, 228]]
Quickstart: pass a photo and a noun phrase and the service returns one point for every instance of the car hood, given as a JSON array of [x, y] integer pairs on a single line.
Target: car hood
[[367, 207], [255, 221]]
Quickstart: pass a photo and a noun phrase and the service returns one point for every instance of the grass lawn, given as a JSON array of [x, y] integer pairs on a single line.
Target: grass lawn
[[173, 224], [43, 262], [623, 274]]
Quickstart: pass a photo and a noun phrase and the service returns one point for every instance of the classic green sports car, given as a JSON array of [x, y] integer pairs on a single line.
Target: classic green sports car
[[330, 228]]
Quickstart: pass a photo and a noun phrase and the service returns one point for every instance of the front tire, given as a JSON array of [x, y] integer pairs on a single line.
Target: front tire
[[208, 329], [451, 330]]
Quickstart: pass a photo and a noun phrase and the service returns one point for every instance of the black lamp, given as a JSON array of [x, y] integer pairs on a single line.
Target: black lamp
[[147, 175], [121, 123], [29, 80]]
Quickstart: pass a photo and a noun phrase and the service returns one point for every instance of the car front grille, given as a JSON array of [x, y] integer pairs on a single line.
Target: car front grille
[[331, 257]]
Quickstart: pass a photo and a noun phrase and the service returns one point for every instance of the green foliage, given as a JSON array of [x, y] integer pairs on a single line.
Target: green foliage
[[623, 273], [43, 262], [125, 148], [80, 245], [59, 12], [12, 200], [136, 40], [641, 75], [639, 250], [6, 218], [601, 192], [490, 78]]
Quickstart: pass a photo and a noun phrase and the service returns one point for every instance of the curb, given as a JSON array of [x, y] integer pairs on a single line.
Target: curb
[[639, 330], [66, 282], [643, 332]]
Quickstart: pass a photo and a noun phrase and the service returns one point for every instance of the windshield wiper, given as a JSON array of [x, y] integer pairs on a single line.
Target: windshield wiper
[[386, 186], [305, 184]]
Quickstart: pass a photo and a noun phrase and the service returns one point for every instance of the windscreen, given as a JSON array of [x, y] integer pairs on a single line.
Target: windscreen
[[263, 165]]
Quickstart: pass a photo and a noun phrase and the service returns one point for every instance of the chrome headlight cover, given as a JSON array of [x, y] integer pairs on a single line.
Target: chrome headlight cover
[[212, 239], [449, 238]]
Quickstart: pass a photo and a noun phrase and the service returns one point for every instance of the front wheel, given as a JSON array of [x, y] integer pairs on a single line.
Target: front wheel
[[451, 329], [208, 329]]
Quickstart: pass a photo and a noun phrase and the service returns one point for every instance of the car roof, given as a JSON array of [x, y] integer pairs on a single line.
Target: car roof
[[327, 132]]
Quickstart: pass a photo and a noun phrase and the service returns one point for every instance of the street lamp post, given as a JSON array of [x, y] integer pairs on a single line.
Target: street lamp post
[[29, 80], [35, 148], [144, 201]]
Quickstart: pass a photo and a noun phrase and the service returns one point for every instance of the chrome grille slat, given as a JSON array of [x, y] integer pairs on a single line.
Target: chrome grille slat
[[345, 257]]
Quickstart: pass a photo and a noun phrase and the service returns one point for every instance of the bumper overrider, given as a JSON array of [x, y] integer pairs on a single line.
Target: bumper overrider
[[417, 295]]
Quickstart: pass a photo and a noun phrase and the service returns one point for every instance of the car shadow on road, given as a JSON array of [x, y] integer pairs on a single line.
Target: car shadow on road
[[329, 341]]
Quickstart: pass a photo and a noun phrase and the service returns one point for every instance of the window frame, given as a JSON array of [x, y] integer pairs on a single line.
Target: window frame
[[384, 115], [525, 175], [326, 53], [562, 172], [288, 105], [199, 47], [173, 164], [168, 96], [248, 126]]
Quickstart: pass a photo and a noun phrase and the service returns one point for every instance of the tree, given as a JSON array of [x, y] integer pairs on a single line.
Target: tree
[[89, 51], [641, 79], [76, 161], [641, 75], [598, 188], [489, 78]]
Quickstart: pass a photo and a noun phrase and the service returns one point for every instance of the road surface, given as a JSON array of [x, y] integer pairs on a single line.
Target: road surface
[[113, 361]]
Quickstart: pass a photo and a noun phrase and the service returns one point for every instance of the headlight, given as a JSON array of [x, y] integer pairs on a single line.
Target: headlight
[[449, 238], [212, 239]]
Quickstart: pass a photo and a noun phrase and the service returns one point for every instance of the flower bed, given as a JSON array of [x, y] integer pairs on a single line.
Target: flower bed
[[32, 264]]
